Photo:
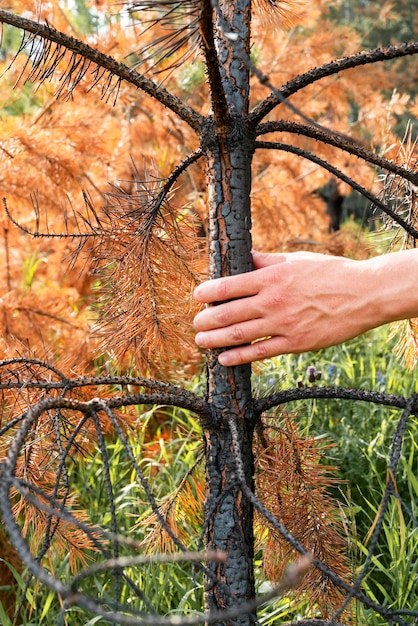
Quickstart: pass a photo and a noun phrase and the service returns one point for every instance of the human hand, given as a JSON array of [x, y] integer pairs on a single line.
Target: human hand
[[291, 303]]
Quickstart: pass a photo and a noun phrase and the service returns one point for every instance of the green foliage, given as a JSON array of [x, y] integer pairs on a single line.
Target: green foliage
[[166, 443], [23, 102], [191, 77], [10, 41], [381, 24], [392, 578], [361, 434], [15, 102], [84, 19], [29, 266]]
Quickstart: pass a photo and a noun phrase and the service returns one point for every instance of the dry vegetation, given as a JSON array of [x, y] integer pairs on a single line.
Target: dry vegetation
[[77, 164]]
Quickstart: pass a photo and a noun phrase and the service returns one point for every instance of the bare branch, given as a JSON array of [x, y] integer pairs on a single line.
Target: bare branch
[[84, 54], [163, 393], [353, 184], [219, 103], [180, 23], [35, 233], [339, 141], [329, 69], [307, 393]]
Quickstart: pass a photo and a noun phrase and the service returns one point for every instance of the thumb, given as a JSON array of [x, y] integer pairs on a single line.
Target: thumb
[[264, 259]]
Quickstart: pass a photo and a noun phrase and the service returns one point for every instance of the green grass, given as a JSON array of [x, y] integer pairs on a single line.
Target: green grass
[[361, 434]]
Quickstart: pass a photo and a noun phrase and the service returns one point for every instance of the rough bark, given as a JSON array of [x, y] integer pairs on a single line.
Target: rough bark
[[228, 145], [229, 516]]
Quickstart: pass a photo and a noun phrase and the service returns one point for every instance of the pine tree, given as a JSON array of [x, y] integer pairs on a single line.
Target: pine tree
[[145, 251]]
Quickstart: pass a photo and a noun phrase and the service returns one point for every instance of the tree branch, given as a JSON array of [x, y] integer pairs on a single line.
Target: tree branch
[[97, 231], [339, 141], [329, 69], [339, 393], [107, 63], [23, 373], [353, 184], [182, 399], [218, 99]]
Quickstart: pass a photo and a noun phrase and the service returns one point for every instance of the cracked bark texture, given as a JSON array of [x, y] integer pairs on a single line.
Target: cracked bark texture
[[228, 145]]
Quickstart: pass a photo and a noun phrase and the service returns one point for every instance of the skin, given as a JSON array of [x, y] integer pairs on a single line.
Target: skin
[[302, 301]]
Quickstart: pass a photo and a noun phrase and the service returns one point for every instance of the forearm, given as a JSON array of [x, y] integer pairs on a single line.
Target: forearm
[[393, 282], [297, 302]]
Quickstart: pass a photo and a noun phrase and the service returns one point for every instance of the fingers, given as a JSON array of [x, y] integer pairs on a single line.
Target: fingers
[[233, 287], [264, 349], [232, 335], [226, 315], [263, 259], [227, 288], [240, 318]]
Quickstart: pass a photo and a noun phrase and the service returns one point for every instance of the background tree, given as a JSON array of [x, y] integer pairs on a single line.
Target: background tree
[[144, 253]]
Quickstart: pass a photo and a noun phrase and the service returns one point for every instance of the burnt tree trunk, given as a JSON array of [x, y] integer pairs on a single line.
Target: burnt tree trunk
[[229, 144], [229, 516]]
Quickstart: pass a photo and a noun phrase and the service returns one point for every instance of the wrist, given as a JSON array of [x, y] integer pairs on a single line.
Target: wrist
[[394, 285]]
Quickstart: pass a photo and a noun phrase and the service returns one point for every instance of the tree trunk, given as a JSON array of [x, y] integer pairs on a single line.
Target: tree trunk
[[229, 146], [229, 516]]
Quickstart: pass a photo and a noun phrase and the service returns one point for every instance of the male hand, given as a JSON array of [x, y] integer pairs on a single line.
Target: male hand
[[290, 303]]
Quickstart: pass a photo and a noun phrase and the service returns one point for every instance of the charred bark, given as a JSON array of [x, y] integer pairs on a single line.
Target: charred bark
[[228, 144], [229, 515]]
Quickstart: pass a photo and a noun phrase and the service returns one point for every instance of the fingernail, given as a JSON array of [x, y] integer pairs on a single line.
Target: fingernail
[[199, 339], [224, 359]]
